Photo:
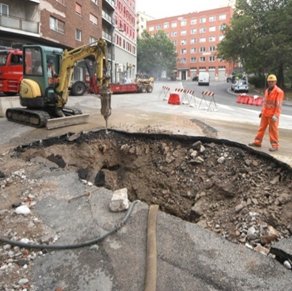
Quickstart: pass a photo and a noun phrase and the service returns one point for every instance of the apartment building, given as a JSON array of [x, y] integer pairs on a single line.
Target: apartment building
[[125, 41], [141, 22], [196, 36], [63, 23]]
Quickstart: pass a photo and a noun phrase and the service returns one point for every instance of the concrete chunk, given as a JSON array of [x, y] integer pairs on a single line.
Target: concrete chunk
[[119, 201]]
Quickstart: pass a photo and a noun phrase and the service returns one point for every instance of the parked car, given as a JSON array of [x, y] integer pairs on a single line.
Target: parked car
[[240, 86], [195, 78]]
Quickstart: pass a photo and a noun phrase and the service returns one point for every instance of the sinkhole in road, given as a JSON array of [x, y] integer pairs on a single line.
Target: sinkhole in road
[[242, 194]]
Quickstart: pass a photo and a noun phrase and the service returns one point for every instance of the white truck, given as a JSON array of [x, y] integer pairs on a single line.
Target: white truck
[[204, 78]]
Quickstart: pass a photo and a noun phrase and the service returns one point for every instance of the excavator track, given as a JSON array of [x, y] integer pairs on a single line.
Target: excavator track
[[36, 118], [40, 118]]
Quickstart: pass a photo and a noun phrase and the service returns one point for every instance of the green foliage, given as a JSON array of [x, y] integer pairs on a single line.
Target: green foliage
[[260, 37], [155, 54], [258, 81]]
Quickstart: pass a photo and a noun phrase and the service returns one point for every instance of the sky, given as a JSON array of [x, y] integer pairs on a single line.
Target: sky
[[166, 8]]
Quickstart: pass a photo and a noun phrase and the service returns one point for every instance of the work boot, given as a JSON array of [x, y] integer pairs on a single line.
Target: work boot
[[253, 144], [272, 149]]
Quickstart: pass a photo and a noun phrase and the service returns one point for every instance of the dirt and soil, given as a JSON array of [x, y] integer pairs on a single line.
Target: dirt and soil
[[241, 194]]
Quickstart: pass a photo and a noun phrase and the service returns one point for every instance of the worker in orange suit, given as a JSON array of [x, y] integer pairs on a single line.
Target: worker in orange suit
[[270, 115]]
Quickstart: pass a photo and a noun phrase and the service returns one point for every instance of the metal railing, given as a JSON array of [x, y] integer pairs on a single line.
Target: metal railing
[[111, 2], [107, 36], [107, 17], [19, 24]]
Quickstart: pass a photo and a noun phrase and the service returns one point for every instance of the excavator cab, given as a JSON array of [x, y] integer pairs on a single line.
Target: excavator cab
[[40, 76]]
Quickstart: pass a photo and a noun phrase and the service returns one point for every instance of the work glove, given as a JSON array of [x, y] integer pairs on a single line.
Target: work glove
[[260, 115], [274, 118]]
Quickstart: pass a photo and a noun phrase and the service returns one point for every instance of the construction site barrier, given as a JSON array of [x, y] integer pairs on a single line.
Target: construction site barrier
[[250, 100], [164, 93], [174, 99], [208, 97], [188, 97]]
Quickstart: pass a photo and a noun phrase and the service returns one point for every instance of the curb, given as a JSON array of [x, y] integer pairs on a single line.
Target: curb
[[8, 102]]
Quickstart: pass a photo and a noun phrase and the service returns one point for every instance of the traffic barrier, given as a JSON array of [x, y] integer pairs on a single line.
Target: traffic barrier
[[174, 99], [249, 99], [164, 92], [210, 95]]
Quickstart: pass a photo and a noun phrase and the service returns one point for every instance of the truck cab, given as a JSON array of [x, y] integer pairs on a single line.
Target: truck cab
[[10, 70]]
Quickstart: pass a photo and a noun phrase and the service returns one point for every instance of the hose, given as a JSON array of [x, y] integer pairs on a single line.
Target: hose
[[151, 264], [72, 246]]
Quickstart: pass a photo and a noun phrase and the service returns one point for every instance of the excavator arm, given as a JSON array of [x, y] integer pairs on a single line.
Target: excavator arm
[[69, 58]]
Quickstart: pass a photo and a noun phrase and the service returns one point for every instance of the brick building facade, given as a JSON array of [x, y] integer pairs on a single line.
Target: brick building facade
[[196, 36], [125, 40], [62, 23]]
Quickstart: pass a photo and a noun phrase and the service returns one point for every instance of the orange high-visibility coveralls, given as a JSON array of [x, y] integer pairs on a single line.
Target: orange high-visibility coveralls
[[271, 107]]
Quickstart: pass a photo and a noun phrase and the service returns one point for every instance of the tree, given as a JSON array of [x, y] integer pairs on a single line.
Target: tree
[[259, 37], [155, 54]]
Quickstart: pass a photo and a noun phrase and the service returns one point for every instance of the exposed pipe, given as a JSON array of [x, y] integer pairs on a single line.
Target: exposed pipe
[[151, 262]]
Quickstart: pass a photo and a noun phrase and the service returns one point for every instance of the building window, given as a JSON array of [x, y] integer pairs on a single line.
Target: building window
[[78, 8], [63, 2], [222, 17], [202, 49], [203, 39], [166, 25], [212, 28], [151, 28], [183, 42], [221, 37], [93, 19], [202, 59], [212, 58], [193, 59], [92, 39], [193, 31], [212, 18], [174, 33], [78, 34], [4, 9], [193, 21], [57, 25], [212, 48], [183, 23], [183, 51], [203, 20], [202, 30], [173, 24], [95, 2], [212, 39], [183, 32], [183, 60], [158, 27], [193, 50], [193, 40]]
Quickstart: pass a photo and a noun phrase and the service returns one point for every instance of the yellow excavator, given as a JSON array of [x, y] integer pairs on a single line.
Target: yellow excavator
[[44, 90]]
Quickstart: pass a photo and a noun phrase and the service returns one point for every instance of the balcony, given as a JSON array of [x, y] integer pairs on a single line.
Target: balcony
[[106, 36], [18, 25], [111, 3], [107, 17]]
